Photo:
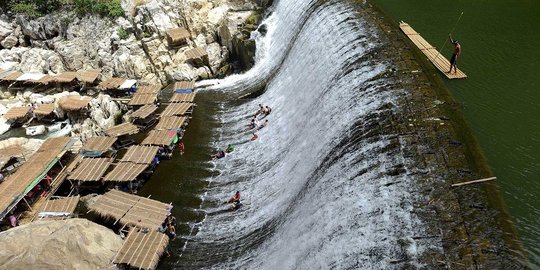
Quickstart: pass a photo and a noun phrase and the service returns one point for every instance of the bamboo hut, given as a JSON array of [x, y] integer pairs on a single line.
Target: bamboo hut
[[31, 173], [182, 98], [198, 56], [142, 249], [177, 36], [131, 210], [97, 146], [90, 169], [171, 122], [140, 154], [178, 109], [74, 103], [125, 172], [58, 208]]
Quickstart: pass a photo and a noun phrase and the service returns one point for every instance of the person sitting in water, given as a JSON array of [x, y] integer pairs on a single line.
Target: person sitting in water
[[261, 108], [235, 201], [234, 198], [218, 155], [263, 124], [255, 136], [253, 123], [267, 110], [236, 205], [230, 149]]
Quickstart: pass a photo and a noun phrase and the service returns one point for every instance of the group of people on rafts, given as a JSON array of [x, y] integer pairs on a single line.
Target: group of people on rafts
[[257, 123]]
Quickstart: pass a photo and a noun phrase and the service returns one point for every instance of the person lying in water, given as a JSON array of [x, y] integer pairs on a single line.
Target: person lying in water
[[234, 198], [230, 149], [235, 201], [263, 124], [218, 155], [261, 108], [254, 123], [255, 137], [266, 111]]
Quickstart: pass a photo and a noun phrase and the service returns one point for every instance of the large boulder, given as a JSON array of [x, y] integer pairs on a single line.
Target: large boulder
[[63, 244], [5, 29], [9, 42]]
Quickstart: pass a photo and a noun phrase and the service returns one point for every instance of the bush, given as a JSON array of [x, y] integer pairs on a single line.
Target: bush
[[107, 8], [35, 8], [25, 8], [122, 33]]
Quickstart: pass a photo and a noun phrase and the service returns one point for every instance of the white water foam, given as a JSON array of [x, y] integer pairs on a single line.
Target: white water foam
[[311, 200]]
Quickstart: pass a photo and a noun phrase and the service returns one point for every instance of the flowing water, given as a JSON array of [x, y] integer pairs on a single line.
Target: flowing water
[[313, 185], [317, 187], [500, 99]]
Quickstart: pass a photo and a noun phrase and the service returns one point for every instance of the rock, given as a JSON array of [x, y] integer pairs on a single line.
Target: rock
[[30, 28], [4, 125], [63, 244], [89, 199], [5, 29], [215, 56], [9, 42], [182, 72], [216, 15]]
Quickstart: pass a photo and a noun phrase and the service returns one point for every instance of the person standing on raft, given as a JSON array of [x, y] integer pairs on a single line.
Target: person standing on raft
[[455, 55]]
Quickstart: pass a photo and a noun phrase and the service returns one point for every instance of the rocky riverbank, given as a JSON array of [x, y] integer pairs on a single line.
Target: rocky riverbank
[[133, 46]]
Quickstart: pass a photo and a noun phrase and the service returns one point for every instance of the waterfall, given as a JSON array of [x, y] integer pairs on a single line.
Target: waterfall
[[318, 188]]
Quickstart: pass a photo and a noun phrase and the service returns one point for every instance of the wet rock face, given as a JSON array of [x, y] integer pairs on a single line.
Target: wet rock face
[[134, 46]]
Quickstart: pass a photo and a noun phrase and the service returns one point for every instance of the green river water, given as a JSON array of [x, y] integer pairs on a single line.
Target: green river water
[[501, 97]]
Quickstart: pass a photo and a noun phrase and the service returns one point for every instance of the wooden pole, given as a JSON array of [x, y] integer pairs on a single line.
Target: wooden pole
[[474, 181]]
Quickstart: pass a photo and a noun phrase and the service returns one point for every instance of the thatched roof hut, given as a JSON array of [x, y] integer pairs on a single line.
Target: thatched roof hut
[[122, 129], [17, 112], [196, 53], [58, 207], [44, 109], [160, 137], [111, 83], [142, 249], [88, 76], [143, 99], [131, 209], [171, 122], [125, 172], [74, 103], [182, 97], [181, 86], [177, 109], [98, 145], [30, 173], [177, 36], [144, 111], [140, 154], [66, 77], [90, 169]]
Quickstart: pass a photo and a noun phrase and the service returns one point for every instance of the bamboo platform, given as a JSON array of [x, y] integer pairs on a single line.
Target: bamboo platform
[[431, 52]]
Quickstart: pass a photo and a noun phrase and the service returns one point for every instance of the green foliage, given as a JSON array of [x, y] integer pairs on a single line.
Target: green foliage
[[118, 119], [107, 8], [122, 33], [25, 8], [254, 18], [35, 8]]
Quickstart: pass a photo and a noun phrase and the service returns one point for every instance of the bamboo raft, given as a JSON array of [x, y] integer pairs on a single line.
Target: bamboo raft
[[431, 52]]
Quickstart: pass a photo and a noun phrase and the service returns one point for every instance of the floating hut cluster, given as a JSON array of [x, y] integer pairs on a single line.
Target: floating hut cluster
[[115, 162]]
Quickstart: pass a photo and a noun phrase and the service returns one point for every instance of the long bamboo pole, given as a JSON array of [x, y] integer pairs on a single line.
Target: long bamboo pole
[[474, 181]]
